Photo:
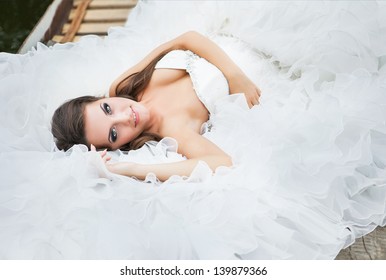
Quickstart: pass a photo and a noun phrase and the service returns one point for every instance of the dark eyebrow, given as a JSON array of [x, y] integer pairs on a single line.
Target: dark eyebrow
[[104, 111]]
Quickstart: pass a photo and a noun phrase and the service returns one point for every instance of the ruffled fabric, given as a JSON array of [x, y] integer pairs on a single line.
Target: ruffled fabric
[[309, 172]]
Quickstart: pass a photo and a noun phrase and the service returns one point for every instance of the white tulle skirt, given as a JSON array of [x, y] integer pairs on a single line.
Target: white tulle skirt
[[309, 172]]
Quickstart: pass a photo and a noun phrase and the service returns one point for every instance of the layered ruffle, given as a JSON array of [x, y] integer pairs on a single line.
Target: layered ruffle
[[309, 162]]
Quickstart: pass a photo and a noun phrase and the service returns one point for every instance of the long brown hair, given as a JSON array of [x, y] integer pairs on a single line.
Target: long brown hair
[[134, 84], [67, 124]]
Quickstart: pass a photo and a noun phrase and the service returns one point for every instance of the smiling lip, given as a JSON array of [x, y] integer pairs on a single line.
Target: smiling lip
[[136, 117]]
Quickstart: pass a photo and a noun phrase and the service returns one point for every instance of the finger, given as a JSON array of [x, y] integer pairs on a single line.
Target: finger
[[253, 101], [103, 153], [257, 100], [257, 96], [93, 148]]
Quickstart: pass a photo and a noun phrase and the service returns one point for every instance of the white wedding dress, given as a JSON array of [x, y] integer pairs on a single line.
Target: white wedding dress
[[309, 172]]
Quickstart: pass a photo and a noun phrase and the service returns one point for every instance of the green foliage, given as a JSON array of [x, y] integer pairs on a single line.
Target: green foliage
[[17, 19]]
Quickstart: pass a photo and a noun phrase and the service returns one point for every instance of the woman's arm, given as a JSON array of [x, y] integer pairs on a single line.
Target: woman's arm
[[164, 171], [205, 48], [194, 146]]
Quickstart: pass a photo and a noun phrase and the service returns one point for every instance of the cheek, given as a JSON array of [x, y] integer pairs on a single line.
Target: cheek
[[127, 135], [95, 137]]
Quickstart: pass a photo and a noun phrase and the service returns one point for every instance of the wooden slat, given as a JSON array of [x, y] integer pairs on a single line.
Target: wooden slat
[[59, 38], [96, 18], [93, 28], [49, 24], [74, 26], [103, 15], [369, 247], [109, 3]]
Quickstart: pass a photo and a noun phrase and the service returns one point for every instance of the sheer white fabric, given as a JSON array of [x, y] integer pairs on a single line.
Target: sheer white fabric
[[309, 161]]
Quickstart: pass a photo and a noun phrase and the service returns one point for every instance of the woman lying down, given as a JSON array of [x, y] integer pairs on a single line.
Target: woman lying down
[[170, 93]]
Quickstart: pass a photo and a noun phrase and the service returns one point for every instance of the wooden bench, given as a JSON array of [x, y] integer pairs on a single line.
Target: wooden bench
[[93, 17]]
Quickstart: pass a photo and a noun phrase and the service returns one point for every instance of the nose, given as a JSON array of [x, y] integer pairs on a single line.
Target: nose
[[123, 118]]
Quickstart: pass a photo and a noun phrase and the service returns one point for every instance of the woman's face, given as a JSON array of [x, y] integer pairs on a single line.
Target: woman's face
[[113, 122]]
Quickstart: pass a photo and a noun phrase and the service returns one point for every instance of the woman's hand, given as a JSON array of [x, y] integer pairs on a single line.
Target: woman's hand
[[120, 168], [106, 158], [242, 84], [103, 154]]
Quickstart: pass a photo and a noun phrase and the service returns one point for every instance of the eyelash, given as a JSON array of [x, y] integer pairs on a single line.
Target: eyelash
[[107, 108], [113, 135], [113, 132]]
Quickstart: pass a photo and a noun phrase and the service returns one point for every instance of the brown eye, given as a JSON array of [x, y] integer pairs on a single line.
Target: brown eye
[[113, 135], [107, 108]]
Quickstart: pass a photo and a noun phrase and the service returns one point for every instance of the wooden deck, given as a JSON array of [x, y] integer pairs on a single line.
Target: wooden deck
[[93, 17], [69, 20], [369, 247]]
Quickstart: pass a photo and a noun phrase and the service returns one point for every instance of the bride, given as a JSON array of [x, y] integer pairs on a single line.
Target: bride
[[299, 175], [157, 104]]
